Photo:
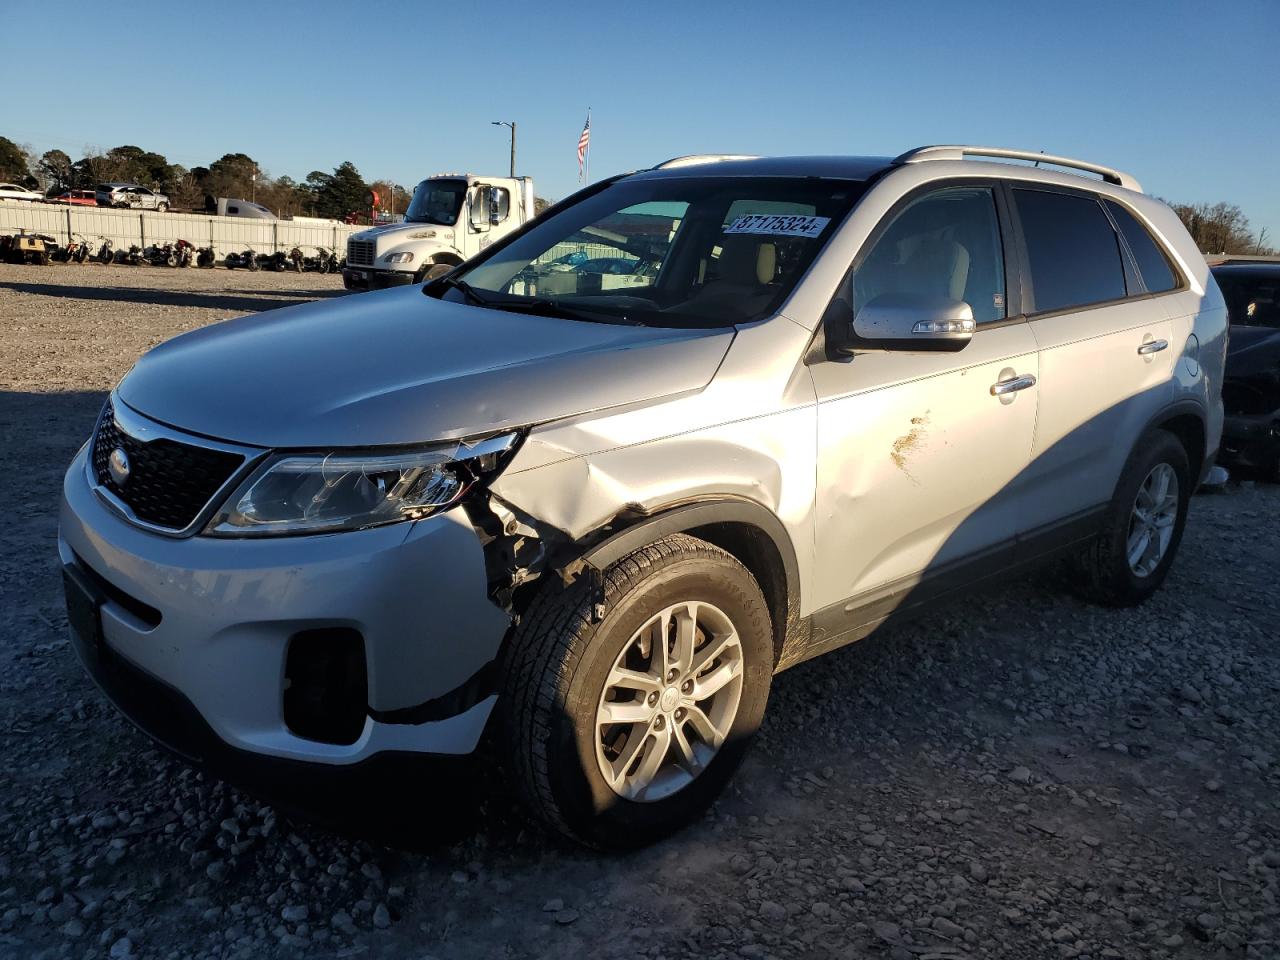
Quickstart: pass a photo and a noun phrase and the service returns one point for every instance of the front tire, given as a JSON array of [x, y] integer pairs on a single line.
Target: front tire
[[627, 709], [1129, 560]]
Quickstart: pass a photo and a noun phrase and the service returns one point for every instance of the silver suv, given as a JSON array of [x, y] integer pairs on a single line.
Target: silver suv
[[586, 515], [130, 195]]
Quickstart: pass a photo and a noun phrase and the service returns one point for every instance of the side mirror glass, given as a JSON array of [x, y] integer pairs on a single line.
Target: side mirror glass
[[479, 215], [912, 322]]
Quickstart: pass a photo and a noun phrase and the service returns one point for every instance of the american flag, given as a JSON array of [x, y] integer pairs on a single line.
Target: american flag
[[584, 145]]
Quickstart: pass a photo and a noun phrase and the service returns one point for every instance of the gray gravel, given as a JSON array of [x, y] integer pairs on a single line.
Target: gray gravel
[[1020, 776]]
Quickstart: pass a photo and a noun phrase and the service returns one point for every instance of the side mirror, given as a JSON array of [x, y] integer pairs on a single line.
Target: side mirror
[[911, 322], [479, 213]]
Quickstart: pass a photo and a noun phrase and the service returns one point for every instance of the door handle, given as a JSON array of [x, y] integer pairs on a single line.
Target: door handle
[[1005, 387], [1152, 346]]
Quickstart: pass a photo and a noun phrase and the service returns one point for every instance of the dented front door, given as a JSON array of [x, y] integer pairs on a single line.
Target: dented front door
[[919, 462]]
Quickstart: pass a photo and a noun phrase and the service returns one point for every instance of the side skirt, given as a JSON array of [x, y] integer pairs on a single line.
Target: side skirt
[[903, 600]]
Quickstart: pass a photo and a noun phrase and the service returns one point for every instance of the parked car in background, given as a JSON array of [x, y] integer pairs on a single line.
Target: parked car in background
[[587, 524], [130, 195], [77, 198], [1251, 385], [15, 191]]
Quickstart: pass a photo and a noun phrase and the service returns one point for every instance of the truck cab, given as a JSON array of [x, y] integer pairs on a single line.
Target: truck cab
[[451, 218]]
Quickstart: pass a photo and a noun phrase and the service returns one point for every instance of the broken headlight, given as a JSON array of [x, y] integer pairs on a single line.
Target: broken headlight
[[297, 493]]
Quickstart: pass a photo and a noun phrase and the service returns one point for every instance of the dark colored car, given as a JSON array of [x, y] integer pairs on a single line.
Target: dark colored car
[[1251, 387]]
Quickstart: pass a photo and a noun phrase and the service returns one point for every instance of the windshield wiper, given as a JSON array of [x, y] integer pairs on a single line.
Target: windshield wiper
[[554, 308], [467, 291]]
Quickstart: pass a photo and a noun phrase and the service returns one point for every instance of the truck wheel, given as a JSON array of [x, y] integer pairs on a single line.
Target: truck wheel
[[434, 271], [625, 711], [1131, 556], [163, 208]]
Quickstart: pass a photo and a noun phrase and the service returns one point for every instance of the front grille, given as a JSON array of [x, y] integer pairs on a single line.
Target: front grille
[[360, 253], [169, 482]]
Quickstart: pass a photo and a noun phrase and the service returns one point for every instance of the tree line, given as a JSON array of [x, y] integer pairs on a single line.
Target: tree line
[[337, 195], [1217, 228]]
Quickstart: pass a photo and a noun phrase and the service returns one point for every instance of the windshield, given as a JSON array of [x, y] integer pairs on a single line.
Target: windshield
[[437, 201], [678, 252]]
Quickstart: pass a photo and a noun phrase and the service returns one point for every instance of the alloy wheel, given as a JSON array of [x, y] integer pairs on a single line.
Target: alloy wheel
[[1155, 511], [669, 701]]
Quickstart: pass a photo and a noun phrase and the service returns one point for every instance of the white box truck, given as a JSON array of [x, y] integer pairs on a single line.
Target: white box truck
[[452, 217]]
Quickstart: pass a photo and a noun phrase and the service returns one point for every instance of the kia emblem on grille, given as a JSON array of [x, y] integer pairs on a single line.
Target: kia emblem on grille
[[118, 464]]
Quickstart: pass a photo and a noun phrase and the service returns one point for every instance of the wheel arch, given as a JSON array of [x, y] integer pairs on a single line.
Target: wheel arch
[[744, 529], [1186, 421]]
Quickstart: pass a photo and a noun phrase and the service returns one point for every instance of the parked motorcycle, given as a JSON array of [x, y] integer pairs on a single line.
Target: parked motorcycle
[[134, 257], [296, 260], [106, 252], [186, 252], [77, 251], [160, 255], [278, 261], [325, 261], [248, 260], [206, 257]]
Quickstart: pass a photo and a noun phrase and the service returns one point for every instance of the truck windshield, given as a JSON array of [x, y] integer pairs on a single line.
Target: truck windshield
[[665, 252], [437, 201]]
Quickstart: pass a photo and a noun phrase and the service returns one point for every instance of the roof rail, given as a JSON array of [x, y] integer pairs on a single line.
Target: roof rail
[[696, 158], [958, 152]]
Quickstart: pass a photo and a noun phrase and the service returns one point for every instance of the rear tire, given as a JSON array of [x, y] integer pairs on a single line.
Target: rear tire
[[560, 678], [1130, 558]]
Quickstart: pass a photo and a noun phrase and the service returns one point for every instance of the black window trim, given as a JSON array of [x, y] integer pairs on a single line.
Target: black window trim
[[1127, 260], [1004, 222], [1180, 281]]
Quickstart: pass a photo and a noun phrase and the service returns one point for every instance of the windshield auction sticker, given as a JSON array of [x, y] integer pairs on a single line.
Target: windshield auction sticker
[[778, 226]]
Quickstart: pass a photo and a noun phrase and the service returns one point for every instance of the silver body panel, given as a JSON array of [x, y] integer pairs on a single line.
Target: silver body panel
[[881, 470], [395, 367], [230, 606]]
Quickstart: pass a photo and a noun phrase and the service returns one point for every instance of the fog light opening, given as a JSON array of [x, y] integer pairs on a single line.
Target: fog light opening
[[326, 685]]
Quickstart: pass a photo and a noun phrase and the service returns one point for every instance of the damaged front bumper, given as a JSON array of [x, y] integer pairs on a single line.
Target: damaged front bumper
[[194, 636]]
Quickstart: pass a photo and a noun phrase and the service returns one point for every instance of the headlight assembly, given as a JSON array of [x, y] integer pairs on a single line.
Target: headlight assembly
[[306, 493], [399, 257]]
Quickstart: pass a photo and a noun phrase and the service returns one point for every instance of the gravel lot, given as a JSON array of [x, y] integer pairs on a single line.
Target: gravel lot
[[1020, 776]]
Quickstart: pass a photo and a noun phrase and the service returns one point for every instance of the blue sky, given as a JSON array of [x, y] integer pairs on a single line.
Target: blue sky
[[1184, 95]]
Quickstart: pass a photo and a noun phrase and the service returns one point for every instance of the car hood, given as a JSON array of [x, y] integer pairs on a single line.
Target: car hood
[[397, 232], [397, 367]]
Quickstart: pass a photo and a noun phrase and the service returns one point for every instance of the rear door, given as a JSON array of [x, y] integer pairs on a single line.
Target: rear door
[[1106, 351]]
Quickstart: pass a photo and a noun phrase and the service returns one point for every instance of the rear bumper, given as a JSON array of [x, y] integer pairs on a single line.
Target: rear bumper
[[211, 621], [355, 278]]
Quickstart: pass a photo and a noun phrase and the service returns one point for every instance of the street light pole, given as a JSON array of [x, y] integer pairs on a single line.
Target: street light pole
[[512, 125]]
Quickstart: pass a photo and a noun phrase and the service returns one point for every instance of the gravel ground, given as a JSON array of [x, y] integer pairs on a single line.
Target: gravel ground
[[1019, 776]]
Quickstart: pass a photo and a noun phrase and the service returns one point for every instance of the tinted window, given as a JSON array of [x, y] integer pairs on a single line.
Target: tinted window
[[1153, 264], [1253, 299], [1072, 249], [944, 244]]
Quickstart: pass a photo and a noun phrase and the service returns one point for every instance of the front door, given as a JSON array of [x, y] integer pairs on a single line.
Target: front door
[[920, 460]]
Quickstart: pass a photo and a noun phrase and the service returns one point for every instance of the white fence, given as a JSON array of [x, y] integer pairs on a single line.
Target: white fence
[[127, 227]]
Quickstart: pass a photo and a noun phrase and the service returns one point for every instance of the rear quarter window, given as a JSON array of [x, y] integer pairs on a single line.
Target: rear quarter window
[[1153, 263], [1072, 249]]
